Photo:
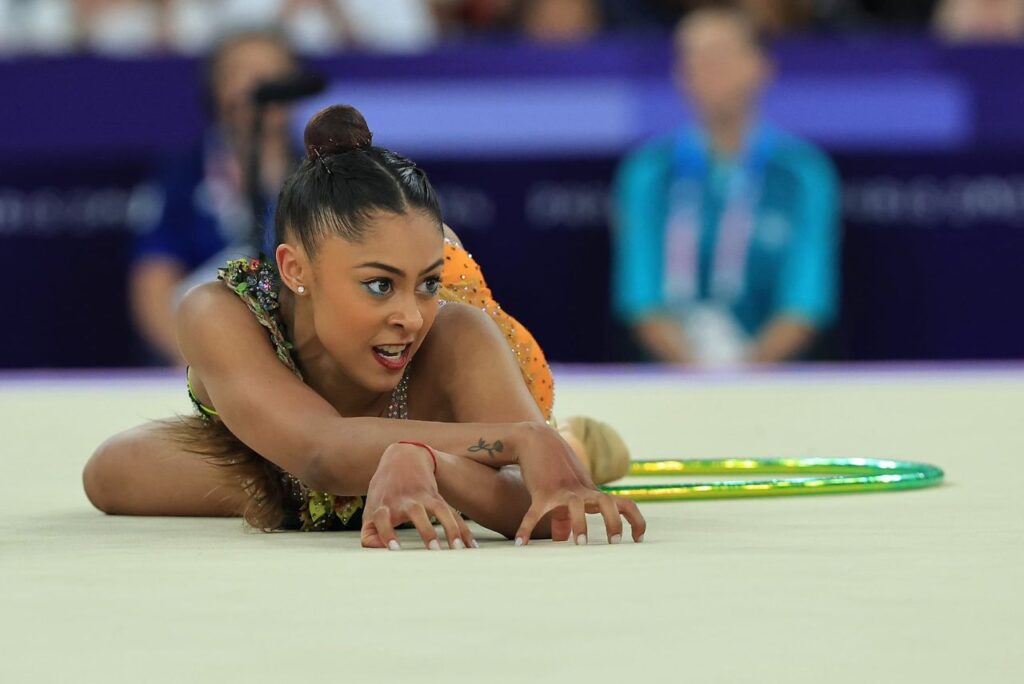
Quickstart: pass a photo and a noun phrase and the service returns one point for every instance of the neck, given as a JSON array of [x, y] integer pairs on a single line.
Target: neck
[[727, 133], [319, 370]]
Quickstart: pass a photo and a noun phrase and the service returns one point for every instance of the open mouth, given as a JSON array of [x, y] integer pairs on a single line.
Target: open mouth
[[392, 356]]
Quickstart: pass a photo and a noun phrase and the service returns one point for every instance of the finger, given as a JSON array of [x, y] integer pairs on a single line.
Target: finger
[[612, 521], [464, 531], [561, 525], [579, 520], [529, 522], [418, 516], [369, 538], [446, 517], [385, 530], [631, 513]]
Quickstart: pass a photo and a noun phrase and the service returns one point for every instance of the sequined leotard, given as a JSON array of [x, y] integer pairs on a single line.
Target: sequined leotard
[[256, 282]]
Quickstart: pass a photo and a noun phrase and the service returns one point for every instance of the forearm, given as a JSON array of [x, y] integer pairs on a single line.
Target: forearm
[[344, 452], [663, 338], [153, 286], [784, 338], [496, 499]]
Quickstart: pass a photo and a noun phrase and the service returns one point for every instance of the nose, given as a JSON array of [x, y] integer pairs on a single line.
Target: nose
[[407, 314]]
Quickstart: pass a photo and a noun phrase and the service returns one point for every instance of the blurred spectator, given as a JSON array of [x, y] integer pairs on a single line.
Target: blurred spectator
[[205, 216], [903, 14], [772, 17], [476, 16], [775, 17], [121, 26], [392, 25], [560, 20], [317, 26], [42, 26], [129, 27], [726, 232], [980, 20], [542, 20], [641, 14]]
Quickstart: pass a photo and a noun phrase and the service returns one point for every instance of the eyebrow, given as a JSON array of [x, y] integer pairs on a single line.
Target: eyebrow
[[398, 271]]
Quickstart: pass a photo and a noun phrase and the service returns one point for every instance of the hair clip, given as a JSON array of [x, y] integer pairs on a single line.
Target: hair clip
[[323, 161]]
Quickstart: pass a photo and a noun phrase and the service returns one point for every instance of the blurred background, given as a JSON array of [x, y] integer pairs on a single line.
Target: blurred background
[[121, 123]]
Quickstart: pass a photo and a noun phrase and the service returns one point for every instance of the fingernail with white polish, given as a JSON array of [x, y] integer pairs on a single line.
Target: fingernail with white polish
[[519, 541], [638, 541], [616, 538], [474, 544], [434, 545], [393, 545], [458, 544], [582, 539]]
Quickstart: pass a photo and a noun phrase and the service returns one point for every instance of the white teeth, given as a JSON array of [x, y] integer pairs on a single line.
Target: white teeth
[[391, 351]]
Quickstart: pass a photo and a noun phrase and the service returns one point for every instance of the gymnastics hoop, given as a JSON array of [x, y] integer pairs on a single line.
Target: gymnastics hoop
[[827, 476]]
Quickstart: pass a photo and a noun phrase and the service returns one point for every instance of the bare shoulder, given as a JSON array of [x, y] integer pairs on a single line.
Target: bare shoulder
[[467, 357], [206, 312], [205, 304], [458, 326], [459, 332], [201, 298]]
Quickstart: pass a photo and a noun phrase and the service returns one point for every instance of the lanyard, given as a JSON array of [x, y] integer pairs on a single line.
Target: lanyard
[[691, 168]]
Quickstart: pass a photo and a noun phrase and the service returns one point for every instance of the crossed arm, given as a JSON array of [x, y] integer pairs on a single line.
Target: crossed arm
[[284, 420], [784, 338]]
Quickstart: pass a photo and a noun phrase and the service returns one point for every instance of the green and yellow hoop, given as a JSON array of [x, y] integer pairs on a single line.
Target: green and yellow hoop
[[808, 476]]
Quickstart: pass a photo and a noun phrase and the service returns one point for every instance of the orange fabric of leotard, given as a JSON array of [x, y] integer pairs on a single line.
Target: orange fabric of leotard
[[463, 282]]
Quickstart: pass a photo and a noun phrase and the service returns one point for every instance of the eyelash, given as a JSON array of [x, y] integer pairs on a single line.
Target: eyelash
[[436, 282], [368, 284]]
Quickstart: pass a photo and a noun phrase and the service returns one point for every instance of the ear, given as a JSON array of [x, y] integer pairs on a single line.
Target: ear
[[294, 266]]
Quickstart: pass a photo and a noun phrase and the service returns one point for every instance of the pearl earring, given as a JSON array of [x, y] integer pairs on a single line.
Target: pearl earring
[[302, 289]]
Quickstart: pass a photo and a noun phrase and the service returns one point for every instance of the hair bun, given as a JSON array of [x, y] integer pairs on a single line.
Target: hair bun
[[336, 129]]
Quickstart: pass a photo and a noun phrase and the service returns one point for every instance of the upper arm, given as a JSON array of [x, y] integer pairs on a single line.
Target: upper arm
[[640, 212], [165, 234], [259, 399], [153, 282], [809, 286], [476, 369]]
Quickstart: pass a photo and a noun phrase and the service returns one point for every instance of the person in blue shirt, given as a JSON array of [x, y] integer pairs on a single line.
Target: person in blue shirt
[[205, 215], [726, 232]]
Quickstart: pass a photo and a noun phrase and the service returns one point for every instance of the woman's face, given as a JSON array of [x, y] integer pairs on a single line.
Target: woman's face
[[718, 66], [243, 66], [375, 300]]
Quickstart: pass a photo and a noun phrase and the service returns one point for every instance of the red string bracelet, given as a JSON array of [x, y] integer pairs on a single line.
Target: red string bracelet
[[433, 456]]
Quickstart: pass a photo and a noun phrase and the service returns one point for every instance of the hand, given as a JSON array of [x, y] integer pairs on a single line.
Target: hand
[[559, 484], [403, 489]]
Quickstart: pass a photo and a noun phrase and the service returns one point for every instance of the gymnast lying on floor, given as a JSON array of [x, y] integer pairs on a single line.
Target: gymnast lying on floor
[[364, 381]]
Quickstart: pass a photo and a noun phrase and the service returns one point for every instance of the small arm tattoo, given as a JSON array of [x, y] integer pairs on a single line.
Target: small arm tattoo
[[491, 449]]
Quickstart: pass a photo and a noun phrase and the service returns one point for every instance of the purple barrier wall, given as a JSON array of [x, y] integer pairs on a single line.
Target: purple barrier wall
[[521, 142]]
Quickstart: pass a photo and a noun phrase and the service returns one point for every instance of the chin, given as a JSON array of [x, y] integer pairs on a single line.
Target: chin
[[383, 384], [378, 379]]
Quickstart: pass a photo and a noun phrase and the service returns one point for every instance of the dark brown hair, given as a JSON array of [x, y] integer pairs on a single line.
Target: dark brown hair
[[260, 479], [344, 180]]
